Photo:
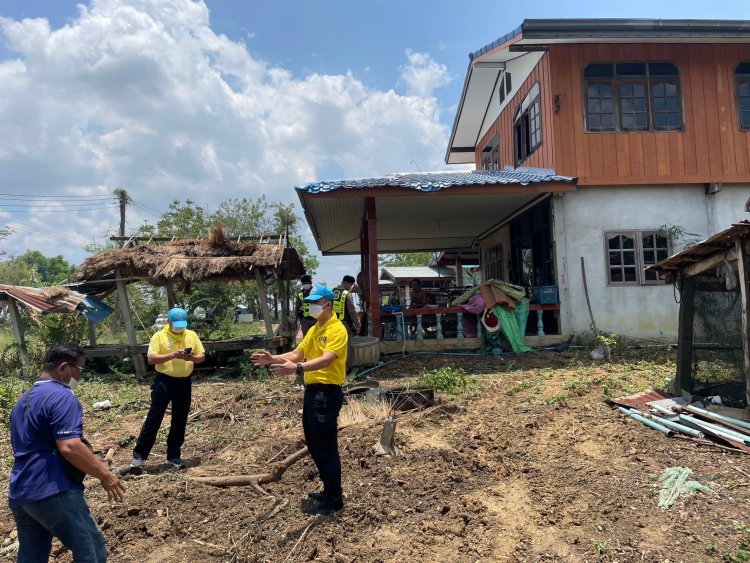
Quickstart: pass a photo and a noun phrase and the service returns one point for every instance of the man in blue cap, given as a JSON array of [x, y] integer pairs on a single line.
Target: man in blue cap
[[321, 359], [173, 350]]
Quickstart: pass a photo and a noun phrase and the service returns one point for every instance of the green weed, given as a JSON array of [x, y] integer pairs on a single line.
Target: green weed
[[601, 548], [451, 380]]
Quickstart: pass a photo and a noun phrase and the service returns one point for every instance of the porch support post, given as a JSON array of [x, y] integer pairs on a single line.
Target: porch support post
[[372, 266], [685, 335], [743, 267], [459, 272], [15, 320], [263, 302], [122, 294]]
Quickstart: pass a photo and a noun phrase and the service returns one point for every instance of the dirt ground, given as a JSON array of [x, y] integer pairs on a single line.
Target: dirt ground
[[534, 467]]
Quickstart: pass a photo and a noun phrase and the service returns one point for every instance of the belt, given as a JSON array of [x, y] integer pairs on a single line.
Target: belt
[[322, 387]]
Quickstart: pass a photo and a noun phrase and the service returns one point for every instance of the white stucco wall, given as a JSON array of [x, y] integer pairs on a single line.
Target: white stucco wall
[[582, 217]]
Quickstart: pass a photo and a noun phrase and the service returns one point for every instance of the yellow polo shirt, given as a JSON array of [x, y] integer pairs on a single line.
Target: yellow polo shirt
[[166, 341], [331, 337]]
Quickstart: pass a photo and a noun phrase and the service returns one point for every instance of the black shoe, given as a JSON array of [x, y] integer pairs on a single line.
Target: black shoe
[[323, 510], [177, 463], [317, 495]]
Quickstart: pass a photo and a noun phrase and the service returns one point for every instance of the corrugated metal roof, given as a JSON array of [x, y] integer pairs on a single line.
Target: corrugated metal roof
[[436, 181], [411, 272], [619, 27], [720, 242], [36, 298]]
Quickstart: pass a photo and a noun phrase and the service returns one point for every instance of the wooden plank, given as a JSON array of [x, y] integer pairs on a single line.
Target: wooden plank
[[743, 267], [700, 132], [739, 138], [15, 321], [248, 343], [723, 102], [265, 311], [683, 373], [663, 165], [664, 180], [687, 136], [122, 294]]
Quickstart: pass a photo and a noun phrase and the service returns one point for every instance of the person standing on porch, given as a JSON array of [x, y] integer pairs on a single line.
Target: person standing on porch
[[321, 358], [174, 351]]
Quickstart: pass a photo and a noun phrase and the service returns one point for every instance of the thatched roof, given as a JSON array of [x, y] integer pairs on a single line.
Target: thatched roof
[[184, 262]]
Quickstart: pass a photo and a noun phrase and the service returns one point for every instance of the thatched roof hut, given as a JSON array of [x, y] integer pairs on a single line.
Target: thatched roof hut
[[187, 261]]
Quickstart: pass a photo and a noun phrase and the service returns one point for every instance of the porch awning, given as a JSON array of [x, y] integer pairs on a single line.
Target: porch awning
[[425, 211]]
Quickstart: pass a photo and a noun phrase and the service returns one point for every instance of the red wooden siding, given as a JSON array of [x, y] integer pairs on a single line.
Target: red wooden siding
[[711, 148], [544, 156]]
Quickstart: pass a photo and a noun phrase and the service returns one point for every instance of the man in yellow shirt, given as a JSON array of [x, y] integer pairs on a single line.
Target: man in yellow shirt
[[173, 350], [321, 357]]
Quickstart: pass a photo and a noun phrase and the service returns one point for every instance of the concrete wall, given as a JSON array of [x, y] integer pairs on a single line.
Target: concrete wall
[[582, 217]]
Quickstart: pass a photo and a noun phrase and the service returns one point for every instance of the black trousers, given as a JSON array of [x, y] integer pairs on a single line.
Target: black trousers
[[178, 390], [320, 414]]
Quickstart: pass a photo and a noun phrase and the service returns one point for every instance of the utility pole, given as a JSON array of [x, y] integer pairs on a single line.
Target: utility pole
[[122, 198]]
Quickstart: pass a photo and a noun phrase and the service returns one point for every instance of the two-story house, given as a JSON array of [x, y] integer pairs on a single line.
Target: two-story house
[[653, 119]]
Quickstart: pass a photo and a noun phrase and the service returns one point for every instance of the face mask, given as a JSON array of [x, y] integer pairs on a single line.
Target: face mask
[[73, 381], [306, 286], [315, 310]]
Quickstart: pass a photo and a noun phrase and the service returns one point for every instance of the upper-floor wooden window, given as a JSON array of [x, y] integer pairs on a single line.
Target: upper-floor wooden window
[[527, 125], [742, 78], [491, 155], [632, 97]]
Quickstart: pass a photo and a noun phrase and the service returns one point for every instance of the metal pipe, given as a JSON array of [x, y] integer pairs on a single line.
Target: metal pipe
[[647, 422], [719, 430], [669, 424], [718, 417], [664, 410]]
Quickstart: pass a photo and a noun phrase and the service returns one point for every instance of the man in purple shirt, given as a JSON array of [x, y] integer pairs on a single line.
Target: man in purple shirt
[[50, 461]]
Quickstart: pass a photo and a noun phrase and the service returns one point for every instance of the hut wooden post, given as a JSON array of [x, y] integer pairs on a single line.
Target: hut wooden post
[[743, 267], [459, 272], [171, 297], [15, 319], [263, 302], [140, 365], [685, 334], [92, 333]]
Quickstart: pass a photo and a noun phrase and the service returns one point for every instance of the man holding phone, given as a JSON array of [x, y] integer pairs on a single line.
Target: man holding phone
[[174, 351]]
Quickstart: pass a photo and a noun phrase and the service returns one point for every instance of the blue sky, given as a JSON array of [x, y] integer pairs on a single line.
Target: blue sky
[[118, 95]]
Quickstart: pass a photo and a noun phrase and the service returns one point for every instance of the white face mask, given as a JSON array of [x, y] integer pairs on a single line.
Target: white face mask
[[73, 381], [316, 310], [306, 286]]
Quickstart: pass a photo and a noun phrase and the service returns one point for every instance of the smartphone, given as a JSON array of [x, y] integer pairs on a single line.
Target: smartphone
[[188, 350]]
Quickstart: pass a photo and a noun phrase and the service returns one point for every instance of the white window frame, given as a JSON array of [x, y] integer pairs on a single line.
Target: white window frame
[[640, 265]]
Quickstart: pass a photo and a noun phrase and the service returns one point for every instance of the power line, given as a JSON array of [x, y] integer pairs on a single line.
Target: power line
[[57, 196], [46, 205], [57, 210]]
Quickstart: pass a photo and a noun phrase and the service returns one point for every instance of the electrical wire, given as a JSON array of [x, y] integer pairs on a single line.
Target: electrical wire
[[48, 205], [46, 196], [56, 210]]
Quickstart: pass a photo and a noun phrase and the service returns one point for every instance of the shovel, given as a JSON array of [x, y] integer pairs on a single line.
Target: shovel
[[385, 446]]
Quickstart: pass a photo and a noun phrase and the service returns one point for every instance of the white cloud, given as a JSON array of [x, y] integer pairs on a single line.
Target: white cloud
[[423, 74], [144, 95]]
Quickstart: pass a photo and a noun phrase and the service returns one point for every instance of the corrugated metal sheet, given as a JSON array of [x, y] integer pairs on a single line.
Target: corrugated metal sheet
[[411, 272], [720, 242], [35, 298], [436, 181], [639, 400]]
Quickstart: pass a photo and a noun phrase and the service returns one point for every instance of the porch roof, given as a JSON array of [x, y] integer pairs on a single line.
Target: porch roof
[[424, 211]]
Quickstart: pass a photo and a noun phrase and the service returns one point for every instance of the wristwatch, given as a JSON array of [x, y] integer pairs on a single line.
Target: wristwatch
[[300, 370]]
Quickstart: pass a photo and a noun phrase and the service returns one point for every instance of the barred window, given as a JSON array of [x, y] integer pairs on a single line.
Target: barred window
[[527, 125]]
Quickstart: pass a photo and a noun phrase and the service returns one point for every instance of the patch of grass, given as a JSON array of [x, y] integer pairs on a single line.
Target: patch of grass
[[578, 384], [557, 399], [451, 380], [520, 386]]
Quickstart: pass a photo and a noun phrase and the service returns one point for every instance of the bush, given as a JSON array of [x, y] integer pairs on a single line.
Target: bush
[[450, 380]]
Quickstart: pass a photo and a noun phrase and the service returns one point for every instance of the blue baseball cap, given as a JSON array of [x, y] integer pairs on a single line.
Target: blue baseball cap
[[178, 317], [320, 292]]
